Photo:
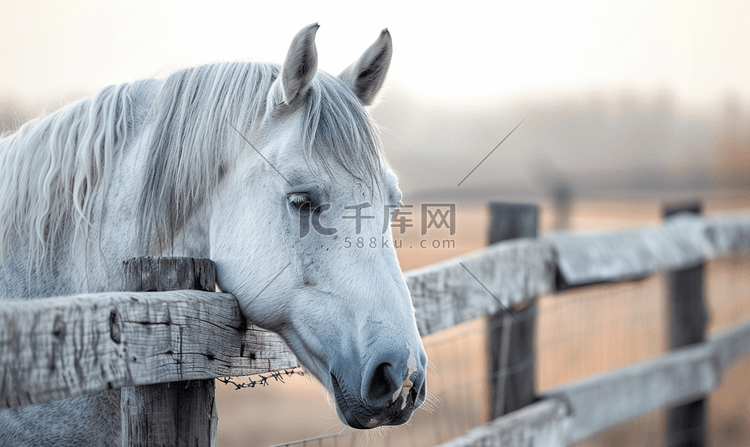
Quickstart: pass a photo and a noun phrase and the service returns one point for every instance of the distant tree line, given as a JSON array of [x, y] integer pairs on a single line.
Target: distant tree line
[[731, 151]]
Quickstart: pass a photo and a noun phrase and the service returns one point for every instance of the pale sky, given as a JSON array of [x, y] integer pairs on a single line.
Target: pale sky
[[470, 51]]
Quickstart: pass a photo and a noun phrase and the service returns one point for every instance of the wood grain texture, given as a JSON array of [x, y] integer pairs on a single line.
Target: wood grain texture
[[61, 347], [169, 414], [683, 241], [160, 274], [446, 294]]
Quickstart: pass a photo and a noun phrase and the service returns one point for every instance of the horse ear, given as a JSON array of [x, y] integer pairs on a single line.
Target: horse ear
[[300, 64], [366, 76]]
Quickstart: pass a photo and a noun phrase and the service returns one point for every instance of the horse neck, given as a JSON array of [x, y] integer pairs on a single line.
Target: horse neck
[[117, 229], [113, 234], [70, 267]]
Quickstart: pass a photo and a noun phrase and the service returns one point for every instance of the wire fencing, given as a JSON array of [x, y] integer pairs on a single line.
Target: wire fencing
[[580, 333]]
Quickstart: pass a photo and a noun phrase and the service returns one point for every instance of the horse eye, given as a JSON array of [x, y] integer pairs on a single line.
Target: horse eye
[[301, 202]]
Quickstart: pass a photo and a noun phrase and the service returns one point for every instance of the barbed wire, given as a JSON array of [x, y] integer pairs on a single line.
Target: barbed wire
[[263, 379]]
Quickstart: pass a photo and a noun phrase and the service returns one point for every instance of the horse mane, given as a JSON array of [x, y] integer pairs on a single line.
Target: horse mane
[[190, 145], [54, 166]]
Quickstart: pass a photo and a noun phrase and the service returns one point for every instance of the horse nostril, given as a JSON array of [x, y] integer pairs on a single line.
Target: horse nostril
[[382, 385]]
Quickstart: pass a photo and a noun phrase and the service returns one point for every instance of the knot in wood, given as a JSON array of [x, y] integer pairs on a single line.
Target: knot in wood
[[58, 328], [115, 327]]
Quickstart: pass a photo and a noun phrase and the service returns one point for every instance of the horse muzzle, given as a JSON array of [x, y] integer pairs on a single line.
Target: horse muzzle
[[388, 396]]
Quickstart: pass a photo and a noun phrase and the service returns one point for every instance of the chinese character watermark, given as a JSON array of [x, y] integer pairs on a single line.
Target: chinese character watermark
[[397, 218], [439, 215]]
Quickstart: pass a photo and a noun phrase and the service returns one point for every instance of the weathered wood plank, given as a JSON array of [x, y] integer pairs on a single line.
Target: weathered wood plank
[[610, 399], [544, 423], [511, 337], [61, 347], [727, 235], [160, 274], [447, 294], [683, 241], [175, 413], [731, 345], [170, 414], [683, 375], [574, 412], [687, 325]]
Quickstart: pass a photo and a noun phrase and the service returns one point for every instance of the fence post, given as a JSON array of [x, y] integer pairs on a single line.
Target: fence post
[[511, 342], [686, 424], [176, 413]]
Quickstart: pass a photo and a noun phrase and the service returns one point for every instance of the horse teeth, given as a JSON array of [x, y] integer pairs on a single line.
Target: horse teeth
[[397, 393], [405, 393], [411, 365]]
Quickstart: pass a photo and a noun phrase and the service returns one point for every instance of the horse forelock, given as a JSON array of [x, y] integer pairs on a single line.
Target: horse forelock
[[337, 130]]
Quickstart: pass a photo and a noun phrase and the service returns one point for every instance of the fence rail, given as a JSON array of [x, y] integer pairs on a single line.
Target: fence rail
[[62, 347], [55, 348], [574, 412]]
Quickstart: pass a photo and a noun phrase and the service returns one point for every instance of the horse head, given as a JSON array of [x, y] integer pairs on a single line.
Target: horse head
[[300, 235]]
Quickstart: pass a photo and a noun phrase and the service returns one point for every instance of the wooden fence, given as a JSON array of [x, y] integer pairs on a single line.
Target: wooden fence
[[133, 340]]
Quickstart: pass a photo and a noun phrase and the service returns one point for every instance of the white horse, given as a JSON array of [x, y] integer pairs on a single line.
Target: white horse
[[274, 173]]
